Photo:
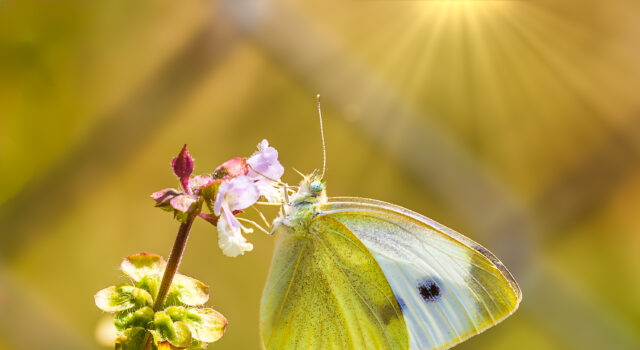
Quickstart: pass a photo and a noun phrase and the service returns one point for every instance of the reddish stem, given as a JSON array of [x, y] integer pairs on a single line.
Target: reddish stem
[[171, 269]]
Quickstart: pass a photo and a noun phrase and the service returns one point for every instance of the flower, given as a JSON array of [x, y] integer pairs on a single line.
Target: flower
[[259, 175], [264, 163], [266, 170], [233, 186], [238, 193]]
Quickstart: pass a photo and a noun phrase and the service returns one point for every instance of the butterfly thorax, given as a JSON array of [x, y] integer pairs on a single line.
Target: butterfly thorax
[[303, 206]]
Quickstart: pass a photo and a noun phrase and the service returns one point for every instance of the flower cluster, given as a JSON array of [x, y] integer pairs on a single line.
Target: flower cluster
[[183, 323], [233, 186]]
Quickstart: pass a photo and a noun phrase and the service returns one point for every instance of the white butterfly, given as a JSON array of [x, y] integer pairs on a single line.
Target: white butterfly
[[354, 273]]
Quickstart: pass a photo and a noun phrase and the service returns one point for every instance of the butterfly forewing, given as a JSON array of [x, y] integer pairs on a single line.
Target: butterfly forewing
[[449, 287], [325, 290]]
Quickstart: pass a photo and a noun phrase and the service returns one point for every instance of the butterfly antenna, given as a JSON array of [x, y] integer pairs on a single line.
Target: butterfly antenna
[[298, 171], [324, 149]]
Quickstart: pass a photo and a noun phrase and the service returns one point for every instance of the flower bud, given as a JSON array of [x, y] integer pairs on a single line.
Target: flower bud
[[183, 167], [231, 168]]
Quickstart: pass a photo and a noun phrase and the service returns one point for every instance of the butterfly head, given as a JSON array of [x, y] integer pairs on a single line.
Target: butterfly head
[[316, 188], [310, 191]]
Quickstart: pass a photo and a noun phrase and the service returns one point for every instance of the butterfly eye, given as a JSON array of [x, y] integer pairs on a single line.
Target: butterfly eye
[[316, 186]]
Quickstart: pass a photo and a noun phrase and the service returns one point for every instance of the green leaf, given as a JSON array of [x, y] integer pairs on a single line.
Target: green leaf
[[131, 339], [139, 318], [138, 266], [187, 291], [206, 325], [165, 206], [177, 333], [121, 298]]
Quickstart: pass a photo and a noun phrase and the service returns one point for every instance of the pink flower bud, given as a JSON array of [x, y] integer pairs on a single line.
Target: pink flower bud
[[231, 168], [183, 167]]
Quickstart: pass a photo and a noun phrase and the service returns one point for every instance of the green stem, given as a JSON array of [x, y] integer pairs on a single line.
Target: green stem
[[171, 269]]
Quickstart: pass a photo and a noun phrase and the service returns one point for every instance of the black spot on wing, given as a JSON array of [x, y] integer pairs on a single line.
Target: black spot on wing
[[429, 290]]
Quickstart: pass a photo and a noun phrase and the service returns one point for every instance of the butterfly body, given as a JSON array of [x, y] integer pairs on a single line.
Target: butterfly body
[[352, 273], [305, 205]]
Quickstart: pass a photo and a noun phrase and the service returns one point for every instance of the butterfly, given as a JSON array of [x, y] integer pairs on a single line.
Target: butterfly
[[356, 273]]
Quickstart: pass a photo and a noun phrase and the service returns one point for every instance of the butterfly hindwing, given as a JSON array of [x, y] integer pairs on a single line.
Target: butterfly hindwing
[[325, 290], [449, 287]]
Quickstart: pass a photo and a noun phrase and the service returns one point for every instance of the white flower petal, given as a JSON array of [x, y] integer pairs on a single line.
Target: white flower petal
[[230, 238], [271, 191]]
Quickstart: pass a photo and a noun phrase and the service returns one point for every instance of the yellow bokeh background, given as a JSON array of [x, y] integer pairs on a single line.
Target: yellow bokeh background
[[516, 123]]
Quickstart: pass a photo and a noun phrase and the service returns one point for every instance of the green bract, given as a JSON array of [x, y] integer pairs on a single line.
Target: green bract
[[138, 318], [176, 333], [183, 324], [206, 325], [123, 297], [143, 265], [188, 291], [131, 339]]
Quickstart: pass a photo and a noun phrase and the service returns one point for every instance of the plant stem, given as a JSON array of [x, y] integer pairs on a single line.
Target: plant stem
[[171, 269], [173, 263]]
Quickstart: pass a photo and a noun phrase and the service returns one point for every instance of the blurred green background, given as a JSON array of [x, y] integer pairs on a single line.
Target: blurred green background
[[514, 122]]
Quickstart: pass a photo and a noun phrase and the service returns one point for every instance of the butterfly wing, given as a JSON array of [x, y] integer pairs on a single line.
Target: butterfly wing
[[449, 287], [326, 291]]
